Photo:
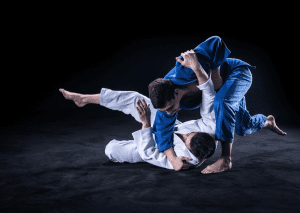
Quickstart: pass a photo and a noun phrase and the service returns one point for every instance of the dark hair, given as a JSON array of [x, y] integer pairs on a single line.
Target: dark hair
[[203, 145], [161, 91]]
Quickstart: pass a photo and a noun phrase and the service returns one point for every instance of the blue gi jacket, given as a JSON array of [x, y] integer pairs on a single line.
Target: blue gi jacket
[[211, 54]]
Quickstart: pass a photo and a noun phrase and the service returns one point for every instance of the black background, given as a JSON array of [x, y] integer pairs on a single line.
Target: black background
[[83, 55], [50, 161]]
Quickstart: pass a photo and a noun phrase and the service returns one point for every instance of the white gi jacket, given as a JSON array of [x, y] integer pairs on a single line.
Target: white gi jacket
[[143, 148]]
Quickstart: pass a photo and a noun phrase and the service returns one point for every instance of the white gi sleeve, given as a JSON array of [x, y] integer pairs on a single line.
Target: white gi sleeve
[[148, 150], [207, 106]]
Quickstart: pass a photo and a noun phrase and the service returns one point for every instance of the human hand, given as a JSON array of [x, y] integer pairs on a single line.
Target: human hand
[[179, 164], [144, 113], [190, 60]]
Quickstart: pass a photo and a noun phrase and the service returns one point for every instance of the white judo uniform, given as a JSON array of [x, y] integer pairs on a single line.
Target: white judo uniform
[[143, 147]]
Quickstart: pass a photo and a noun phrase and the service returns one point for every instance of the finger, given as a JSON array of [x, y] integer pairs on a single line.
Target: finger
[[138, 101], [145, 104], [179, 60], [185, 158], [138, 109], [142, 110], [140, 105]]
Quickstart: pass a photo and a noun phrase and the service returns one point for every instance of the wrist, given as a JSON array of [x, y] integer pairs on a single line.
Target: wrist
[[201, 75], [199, 71], [197, 68], [145, 125], [171, 155]]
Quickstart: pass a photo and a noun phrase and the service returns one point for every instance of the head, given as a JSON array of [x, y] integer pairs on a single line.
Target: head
[[165, 95], [201, 144]]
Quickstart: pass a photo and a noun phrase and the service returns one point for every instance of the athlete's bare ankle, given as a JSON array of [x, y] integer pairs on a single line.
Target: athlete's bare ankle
[[225, 159], [83, 99], [91, 99], [269, 122]]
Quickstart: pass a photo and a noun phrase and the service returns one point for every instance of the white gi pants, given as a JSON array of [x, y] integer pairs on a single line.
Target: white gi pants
[[126, 102]]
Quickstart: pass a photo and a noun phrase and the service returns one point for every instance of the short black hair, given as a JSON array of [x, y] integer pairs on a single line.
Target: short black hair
[[203, 145], [162, 91]]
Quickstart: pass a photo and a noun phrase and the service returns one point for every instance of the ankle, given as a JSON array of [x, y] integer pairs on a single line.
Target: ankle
[[269, 122], [226, 159], [84, 98], [91, 99]]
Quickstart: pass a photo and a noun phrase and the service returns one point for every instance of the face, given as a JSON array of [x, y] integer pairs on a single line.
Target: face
[[189, 139], [188, 142], [173, 105]]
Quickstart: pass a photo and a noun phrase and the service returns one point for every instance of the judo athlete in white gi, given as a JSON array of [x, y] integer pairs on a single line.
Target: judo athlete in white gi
[[143, 148], [144, 144]]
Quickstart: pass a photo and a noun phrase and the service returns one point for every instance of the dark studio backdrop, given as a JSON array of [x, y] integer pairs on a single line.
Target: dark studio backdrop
[[52, 152], [84, 60]]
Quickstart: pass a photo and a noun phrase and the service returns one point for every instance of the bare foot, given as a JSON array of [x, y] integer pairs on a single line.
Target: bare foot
[[221, 165], [76, 97], [271, 125]]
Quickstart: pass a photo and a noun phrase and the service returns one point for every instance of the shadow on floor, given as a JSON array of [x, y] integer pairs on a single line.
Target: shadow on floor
[[57, 164]]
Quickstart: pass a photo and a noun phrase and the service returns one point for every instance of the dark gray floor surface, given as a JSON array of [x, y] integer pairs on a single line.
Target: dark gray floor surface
[[59, 165]]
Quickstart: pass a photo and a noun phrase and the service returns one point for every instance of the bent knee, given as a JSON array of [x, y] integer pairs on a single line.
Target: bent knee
[[225, 103], [111, 150]]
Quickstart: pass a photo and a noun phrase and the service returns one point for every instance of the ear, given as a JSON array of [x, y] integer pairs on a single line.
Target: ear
[[176, 92]]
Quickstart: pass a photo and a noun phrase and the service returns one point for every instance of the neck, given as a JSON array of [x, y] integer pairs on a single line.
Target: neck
[[182, 137], [191, 91], [190, 88]]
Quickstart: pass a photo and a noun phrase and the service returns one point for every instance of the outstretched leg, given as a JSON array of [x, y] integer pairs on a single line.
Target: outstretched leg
[[124, 101]]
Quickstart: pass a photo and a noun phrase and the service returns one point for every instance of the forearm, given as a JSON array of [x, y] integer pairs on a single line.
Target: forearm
[[216, 78], [147, 149], [171, 155], [202, 77]]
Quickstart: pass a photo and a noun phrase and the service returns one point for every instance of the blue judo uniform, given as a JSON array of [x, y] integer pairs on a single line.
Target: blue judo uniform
[[229, 102]]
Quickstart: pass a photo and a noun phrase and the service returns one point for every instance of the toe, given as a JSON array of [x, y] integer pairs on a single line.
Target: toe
[[209, 172], [204, 171]]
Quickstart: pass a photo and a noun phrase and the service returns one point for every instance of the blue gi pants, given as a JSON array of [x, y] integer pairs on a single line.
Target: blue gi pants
[[229, 103], [230, 106]]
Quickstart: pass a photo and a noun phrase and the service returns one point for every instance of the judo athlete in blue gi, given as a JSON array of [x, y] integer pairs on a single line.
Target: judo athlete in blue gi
[[232, 79]]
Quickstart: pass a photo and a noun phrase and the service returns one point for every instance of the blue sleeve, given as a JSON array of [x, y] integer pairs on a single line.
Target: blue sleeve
[[211, 54], [214, 51], [163, 129]]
